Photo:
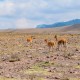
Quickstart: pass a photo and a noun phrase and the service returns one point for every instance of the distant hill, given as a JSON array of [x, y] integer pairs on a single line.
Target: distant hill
[[75, 27], [60, 24], [66, 29]]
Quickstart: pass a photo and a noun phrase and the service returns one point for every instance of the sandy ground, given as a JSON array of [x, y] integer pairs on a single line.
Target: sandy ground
[[20, 60]]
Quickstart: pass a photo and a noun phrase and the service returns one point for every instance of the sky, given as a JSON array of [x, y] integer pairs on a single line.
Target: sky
[[30, 13]]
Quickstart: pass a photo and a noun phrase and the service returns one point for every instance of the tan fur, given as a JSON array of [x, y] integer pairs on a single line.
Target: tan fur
[[50, 44], [61, 41], [29, 39]]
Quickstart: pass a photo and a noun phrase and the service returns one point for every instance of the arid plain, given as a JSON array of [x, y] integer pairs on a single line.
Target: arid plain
[[22, 60]]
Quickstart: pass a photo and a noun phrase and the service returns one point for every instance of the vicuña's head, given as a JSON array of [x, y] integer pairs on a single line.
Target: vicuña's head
[[45, 40]]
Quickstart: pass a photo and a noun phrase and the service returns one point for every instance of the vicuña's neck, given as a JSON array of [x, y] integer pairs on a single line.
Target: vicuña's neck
[[56, 38]]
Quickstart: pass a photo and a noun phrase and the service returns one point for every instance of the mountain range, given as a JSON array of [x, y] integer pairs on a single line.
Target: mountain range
[[60, 24]]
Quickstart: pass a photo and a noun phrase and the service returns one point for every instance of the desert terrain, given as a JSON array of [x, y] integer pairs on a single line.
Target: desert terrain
[[22, 60]]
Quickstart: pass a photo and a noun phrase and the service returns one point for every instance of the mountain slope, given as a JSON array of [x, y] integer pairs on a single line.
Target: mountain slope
[[75, 27], [60, 24]]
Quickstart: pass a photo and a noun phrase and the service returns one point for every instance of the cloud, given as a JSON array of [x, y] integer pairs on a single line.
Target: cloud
[[7, 8], [23, 23], [63, 16], [29, 13], [6, 25]]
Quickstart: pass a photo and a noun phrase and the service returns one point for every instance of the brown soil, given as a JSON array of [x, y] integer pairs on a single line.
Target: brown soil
[[24, 61]]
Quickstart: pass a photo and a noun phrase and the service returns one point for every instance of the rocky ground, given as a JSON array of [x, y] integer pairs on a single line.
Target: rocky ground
[[20, 60]]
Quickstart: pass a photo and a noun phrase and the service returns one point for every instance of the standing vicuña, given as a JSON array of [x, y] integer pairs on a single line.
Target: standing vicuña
[[29, 39], [50, 44], [61, 42]]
